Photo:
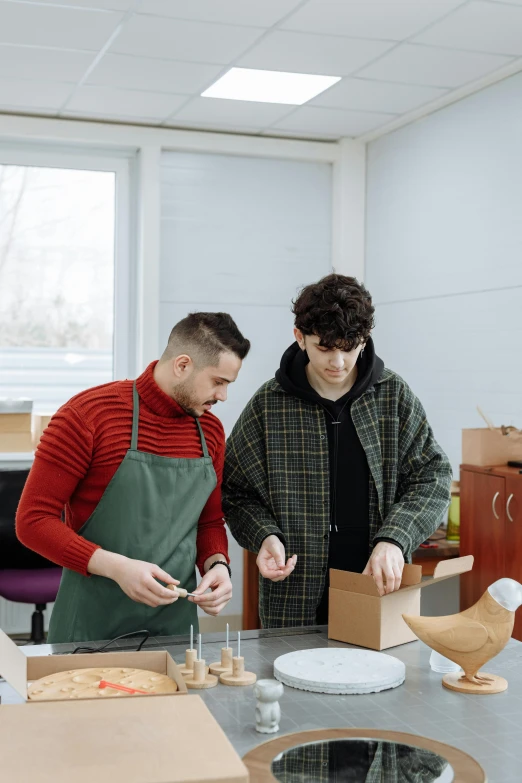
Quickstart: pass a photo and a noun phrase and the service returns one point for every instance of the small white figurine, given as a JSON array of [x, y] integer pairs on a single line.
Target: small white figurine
[[268, 711]]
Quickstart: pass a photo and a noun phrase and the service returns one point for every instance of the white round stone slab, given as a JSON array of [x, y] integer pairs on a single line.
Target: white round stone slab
[[339, 670]]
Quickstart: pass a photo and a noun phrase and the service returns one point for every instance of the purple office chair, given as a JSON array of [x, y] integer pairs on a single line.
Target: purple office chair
[[25, 577]]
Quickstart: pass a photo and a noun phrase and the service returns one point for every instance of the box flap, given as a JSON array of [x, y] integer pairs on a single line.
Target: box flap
[[13, 665], [360, 583], [159, 740], [411, 575], [446, 568], [354, 583]]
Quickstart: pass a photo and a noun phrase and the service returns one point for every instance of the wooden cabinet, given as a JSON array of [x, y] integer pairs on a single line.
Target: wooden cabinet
[[490, 530]]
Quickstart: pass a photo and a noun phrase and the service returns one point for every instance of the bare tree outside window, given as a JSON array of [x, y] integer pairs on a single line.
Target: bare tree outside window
[[56, 277]]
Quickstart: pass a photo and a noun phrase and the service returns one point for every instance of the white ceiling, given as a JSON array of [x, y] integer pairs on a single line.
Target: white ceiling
[[147, 61]]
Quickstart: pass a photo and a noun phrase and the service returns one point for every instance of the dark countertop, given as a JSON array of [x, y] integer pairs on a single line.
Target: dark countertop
[[486, 727]]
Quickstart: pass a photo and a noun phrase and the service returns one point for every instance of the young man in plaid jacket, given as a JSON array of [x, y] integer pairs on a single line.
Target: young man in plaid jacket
[[332, 461]]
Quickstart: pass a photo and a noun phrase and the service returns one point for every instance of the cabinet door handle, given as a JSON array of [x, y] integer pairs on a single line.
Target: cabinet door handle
[[495, 496], [510, 498]]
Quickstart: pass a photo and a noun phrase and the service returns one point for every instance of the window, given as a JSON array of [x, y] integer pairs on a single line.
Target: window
[[58, 264]]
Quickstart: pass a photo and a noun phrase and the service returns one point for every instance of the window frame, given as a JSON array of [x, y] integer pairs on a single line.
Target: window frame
[[125, 289]]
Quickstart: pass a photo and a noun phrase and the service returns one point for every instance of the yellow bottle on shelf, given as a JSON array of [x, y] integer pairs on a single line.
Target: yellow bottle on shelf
[[453, 533]]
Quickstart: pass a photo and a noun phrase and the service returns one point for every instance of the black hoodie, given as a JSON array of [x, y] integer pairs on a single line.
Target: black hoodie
[[349, 470]]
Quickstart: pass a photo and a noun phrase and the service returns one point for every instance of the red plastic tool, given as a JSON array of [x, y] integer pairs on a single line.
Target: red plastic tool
[[105, 684]]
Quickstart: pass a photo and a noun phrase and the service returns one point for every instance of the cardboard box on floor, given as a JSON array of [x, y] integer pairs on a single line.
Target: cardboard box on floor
[[19, 669], [358, 615], [137, 740]]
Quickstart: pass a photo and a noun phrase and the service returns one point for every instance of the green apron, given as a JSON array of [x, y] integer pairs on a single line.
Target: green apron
[[149, 511]]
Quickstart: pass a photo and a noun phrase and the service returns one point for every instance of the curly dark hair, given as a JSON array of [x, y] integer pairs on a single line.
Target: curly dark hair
[[337, 309]]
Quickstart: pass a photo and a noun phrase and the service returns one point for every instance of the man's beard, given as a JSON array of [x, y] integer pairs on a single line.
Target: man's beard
[[183, 394]]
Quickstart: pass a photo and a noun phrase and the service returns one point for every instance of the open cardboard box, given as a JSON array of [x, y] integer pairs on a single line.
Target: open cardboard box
[[19, 669], [358, 615]]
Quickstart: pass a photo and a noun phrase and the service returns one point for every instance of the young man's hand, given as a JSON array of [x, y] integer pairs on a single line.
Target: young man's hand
[[136, 578], [218, 580], [386, 565], [271, 560]]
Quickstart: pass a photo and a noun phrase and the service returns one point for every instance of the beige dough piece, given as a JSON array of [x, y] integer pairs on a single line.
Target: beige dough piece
[[84, 683]]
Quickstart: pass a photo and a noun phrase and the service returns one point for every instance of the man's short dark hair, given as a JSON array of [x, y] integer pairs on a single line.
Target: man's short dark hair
[[204, 337], [337, 309]]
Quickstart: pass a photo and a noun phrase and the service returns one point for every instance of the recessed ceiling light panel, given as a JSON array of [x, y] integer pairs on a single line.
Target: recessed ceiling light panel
[[249, 84]]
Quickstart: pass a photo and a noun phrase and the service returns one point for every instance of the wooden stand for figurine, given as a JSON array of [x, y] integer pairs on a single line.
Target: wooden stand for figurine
[[200, 679], [489, 683], [238, 675], [190, 656], [225, 665]]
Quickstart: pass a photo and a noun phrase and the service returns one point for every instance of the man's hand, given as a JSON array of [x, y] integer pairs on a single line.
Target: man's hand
[[136, 578], [386, 565], [271, 560], [218, 580]]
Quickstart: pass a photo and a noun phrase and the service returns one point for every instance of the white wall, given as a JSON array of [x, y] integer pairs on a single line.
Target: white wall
[[444, 259], [241, 235]]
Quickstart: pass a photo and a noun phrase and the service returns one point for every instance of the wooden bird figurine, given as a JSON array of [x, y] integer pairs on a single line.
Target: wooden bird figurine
[[474, 636]]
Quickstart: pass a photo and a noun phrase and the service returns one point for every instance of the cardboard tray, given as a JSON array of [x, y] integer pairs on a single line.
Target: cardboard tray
[[19, 669]]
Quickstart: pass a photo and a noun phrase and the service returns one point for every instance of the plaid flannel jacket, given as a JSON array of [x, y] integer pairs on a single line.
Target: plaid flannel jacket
[[276, 480]]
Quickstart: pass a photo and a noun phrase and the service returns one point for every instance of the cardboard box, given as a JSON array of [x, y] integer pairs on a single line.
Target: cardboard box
[[358, 615], [19, 669], [39, 423], [15, 422], [16, 441], [485, 446], [131, 740]]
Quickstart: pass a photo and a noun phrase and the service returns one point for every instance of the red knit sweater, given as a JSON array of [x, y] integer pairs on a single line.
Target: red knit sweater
[[82, 448]]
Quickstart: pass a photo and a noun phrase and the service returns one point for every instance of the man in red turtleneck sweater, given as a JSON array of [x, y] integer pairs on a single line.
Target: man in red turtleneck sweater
[[141, 507]]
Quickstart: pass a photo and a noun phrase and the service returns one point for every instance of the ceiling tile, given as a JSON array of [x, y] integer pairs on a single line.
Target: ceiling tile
[[414, 64], [332, 121], [225, 112], [153, 36], [304, 53], [54, 65], [107, 101], [142, 73], [383, 19], [366, 95], [104, 5], [55, 26], [257, 14], [21, 94], [480, 27]]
